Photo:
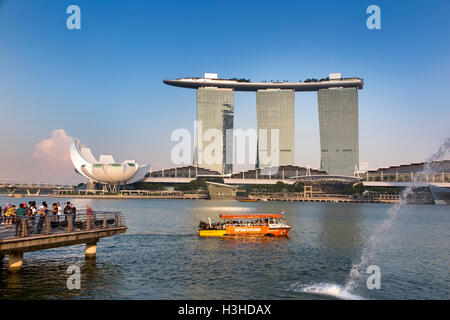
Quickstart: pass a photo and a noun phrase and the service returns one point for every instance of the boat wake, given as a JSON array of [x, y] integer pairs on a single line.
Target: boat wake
[[327, 289], [156, 234]]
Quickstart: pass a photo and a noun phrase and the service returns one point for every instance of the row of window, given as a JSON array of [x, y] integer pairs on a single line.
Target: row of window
[[344, 150]]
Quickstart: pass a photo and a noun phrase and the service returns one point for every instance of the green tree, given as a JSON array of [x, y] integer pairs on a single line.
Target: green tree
[[193, 185]]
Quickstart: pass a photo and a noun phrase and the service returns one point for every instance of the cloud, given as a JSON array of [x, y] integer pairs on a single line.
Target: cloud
[[53, 152]]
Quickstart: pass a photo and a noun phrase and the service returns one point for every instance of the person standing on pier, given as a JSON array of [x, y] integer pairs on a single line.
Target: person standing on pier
[[29, 216], [32, 206], [10, 214], [67, 210], [20, 213], [42, 213], [70, 210], [54, 212], [90, 213], [74, 212]]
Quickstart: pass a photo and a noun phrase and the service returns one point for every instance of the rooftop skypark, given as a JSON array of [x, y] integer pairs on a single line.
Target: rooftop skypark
[[243, 84]]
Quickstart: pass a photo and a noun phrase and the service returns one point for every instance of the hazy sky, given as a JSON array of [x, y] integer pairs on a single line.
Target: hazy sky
[[103, 83]]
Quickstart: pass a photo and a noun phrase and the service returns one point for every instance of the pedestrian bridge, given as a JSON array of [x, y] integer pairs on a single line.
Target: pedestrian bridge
[[32, 185]]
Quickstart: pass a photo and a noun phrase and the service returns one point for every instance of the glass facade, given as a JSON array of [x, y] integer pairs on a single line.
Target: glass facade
[[215, 110], [338, 123], [275, 110]]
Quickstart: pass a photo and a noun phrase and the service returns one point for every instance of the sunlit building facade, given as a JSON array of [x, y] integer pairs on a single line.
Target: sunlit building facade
[[338, 123], [215, 110], [275, 109]]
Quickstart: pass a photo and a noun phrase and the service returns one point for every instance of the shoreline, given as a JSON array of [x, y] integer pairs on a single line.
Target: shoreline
[[204, 197], [113, 197]]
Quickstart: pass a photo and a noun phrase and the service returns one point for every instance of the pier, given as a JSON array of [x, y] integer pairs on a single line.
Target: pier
[[57, 231]]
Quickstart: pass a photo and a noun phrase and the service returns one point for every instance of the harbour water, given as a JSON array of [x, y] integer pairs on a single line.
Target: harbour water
[[161, 256]]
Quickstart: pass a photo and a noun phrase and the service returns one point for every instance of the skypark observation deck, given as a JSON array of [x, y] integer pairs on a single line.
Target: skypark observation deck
[[237, 85]]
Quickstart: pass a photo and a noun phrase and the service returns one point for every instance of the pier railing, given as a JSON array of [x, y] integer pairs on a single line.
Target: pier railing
[[55, 224]]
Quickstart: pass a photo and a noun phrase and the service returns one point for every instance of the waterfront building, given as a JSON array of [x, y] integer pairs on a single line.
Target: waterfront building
[[338, 117], [105, 171], [276, 111], [220, 191]]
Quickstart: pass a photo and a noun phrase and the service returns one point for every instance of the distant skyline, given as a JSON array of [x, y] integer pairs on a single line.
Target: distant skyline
[[103, 83]]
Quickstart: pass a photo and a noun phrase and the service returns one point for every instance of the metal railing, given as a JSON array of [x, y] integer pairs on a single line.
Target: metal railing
[[55, 224]]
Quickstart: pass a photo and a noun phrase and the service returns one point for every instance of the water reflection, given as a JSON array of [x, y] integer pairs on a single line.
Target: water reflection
[[340, 226], [13, 280], [161, 256]]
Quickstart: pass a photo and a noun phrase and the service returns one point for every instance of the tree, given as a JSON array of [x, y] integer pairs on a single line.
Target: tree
[[193, 185], [147, 186], [359, 188]]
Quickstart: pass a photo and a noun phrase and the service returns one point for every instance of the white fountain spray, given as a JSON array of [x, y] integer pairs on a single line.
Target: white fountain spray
[[340, 292], [377, 234]]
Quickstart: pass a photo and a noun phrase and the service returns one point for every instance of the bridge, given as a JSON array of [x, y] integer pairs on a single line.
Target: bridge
[[17, 187], [28, 184]]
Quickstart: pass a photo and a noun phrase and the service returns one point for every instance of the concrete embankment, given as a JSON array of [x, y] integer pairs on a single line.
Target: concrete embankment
[[260, 198], [126, 197]]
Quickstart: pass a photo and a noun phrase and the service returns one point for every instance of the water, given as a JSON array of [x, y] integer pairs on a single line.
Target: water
[[161, 256], [384, 226]]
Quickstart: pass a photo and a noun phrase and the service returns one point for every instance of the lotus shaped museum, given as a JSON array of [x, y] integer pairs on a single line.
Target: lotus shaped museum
[[105, 171]]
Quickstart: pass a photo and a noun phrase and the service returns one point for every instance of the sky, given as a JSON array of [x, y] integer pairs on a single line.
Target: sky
[[103, 83]]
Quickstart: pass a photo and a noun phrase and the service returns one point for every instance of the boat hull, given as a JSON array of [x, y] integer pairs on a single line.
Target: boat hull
[[260, 231], [211, 233]]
